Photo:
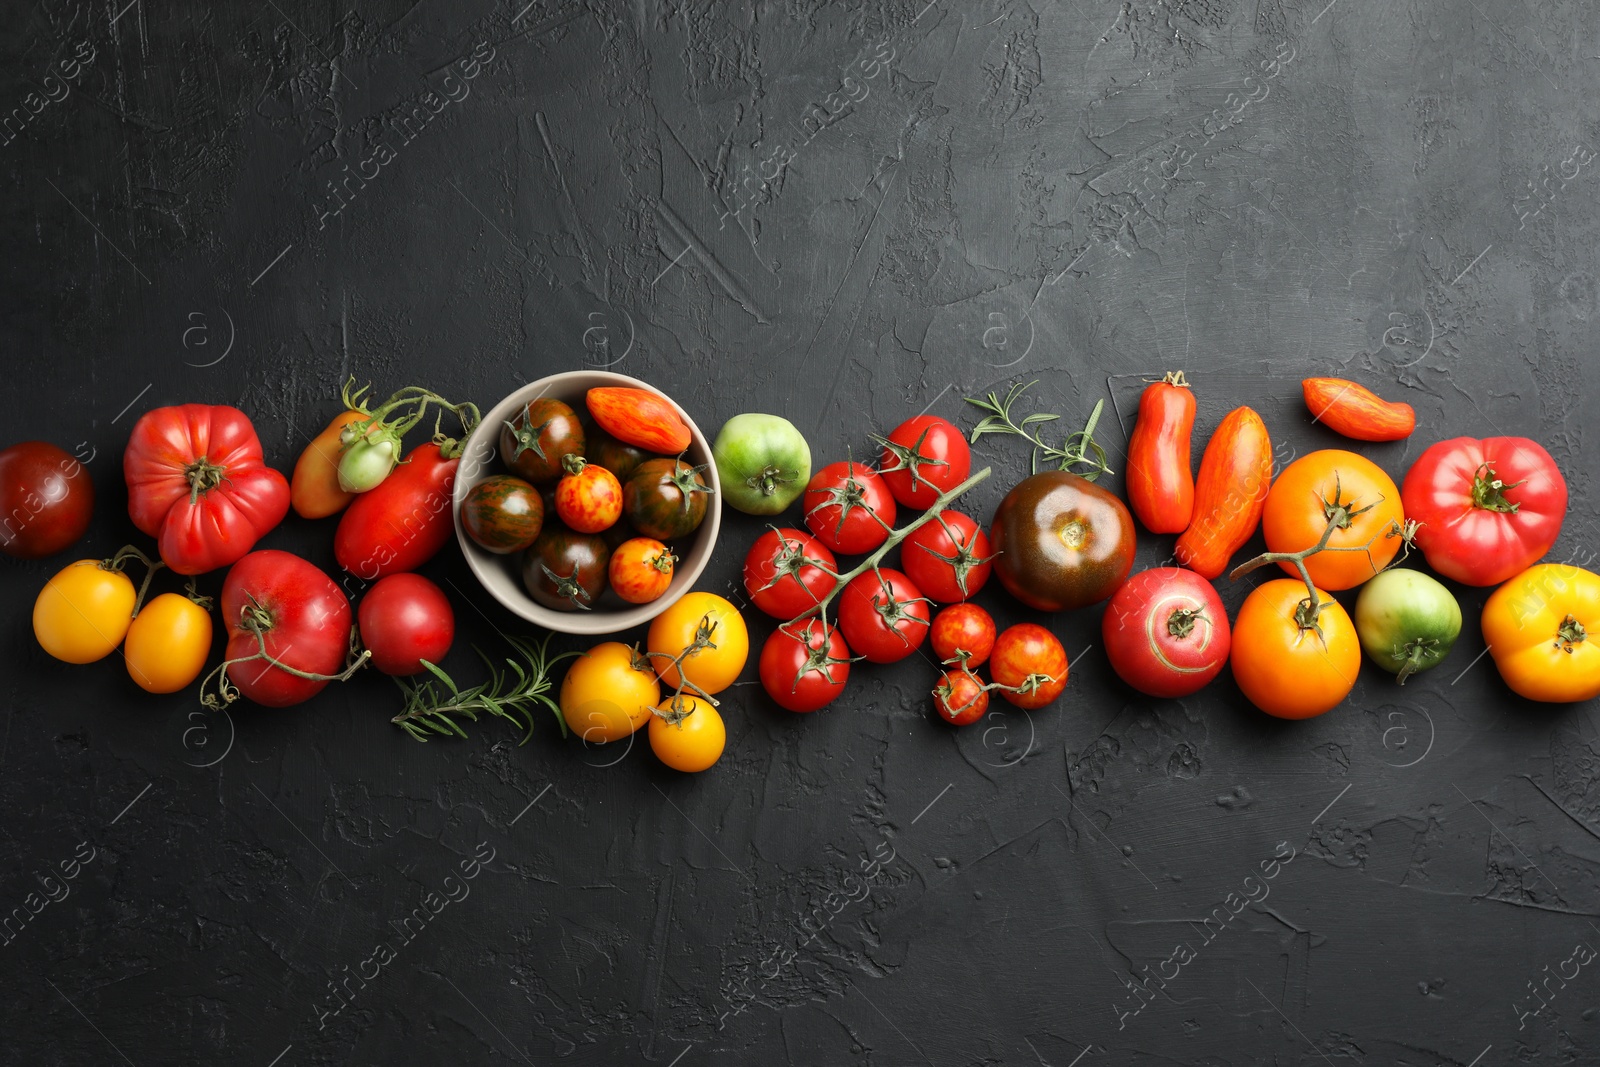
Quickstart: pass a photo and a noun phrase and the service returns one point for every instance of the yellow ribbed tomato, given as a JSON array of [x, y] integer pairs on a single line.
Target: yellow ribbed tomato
[[168, 643], [83, 613], [608, 693], [1543, 630]]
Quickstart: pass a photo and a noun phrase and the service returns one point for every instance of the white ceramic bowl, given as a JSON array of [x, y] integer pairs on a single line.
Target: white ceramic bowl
[[501, 575]]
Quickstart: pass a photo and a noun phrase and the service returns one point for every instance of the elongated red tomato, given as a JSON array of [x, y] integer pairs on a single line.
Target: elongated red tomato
[[1160, 487], [401, 524], [639, 417], [1235, 478], [303, 620], [1356, 411]]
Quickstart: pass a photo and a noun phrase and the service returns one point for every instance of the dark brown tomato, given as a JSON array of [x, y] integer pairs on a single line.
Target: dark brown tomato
[[46, 499], [565, 570], [534, 442], [665, 499], [619, 458], [1061, 542], [502, 514]]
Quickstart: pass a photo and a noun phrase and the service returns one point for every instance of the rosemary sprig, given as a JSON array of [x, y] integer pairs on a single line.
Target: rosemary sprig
[[433, 704], [1078, 450]]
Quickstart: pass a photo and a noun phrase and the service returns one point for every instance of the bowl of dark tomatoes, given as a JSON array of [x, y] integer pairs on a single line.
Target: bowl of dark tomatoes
[[587, 502]]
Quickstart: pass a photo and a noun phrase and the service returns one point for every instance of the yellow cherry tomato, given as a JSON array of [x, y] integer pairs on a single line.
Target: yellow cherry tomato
[[692, 743], [608, 692], [168, 643], [1543, 630], [715, 632], [1287, 670], [83, 613]]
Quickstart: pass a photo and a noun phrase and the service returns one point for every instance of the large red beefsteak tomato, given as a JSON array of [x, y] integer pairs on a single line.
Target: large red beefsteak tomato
[[303, 620], [197, 483], [1488, 509]]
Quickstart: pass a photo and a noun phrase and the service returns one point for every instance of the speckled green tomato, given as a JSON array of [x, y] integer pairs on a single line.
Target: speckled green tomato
[[665, 499], [502, 514], [544, 432], [1407, 621]]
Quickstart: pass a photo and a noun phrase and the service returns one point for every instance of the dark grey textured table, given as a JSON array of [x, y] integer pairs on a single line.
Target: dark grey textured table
[[844, 216]]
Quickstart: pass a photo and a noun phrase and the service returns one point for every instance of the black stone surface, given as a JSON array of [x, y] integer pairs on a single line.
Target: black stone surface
[[960, 195]]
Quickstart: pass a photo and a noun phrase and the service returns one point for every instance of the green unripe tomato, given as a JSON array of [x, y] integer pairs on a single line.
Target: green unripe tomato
[[763, 462], [1407, 621], [368, 458]]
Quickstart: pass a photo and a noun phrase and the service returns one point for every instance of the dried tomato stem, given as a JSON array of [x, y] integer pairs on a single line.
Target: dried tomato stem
[[120, 558]]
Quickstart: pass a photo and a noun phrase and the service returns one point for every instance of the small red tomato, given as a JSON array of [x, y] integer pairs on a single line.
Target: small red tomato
[[589, 498], [788, 571], [948, 558], [924, 457], [804, 665], [641, 569], [46, 499], [1166, 632], [960, 697], [405, 619], [1030, 664], [849, 508], [962, 633], [884, 615]]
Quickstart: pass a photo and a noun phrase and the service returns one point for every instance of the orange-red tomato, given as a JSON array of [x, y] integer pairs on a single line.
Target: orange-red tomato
[[1029, 658], [641, 569], [1287, 671], [1304, 499], [589, 498], [1235, 476], [314, 490]]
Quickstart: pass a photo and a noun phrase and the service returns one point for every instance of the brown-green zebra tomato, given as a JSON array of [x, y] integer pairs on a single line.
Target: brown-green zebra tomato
[[566, 570], [502, 514], [534, 442], [619, 458], [665, 499]]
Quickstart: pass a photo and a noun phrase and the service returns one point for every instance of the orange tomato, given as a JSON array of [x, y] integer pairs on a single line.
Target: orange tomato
[[710, 635], [1287, 671], [695, 741], [314, 490], [1235, 476], [1543, 630], [641, 569], [1305, 496]]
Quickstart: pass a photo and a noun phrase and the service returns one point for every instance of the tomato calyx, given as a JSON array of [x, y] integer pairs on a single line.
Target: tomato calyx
[[255, 618], [790, 560], [203, 476], [818, 656], [573, 463], [1569, 634], [1489, 492], [768, 480], [964, 558], [1180, 623], [1340, 511], [678, 709], [895, 610], [662, 561], [847, 497], [1416, 653], [568, 587], [686, 480], [195, 596], [1175, 377], [911, 458]]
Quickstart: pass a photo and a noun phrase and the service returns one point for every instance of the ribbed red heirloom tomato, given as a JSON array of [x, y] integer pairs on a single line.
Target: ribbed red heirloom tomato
[[1166, 632], [848, 508], [922, 458], [788, 571], [303, 620], [805, 665], [949, 558], [405, 619], [883, 615]]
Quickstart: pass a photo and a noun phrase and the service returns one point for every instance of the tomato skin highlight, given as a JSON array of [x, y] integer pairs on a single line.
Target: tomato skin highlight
[[962, 628], [1160, 486], [46, 500], [1061, 542], [1356, 411], [1543, 630], [167, 645], [1024, 650], [959, 698], [306, 625], [1229, 495], [924, 457], [804, 665], [83, 612], [1287, 672], [402, 523], [884, 619], [1166, 632], [782, 573], [848, 508], [405, 619], [314, 490], [639, 417], [693, 744], [198, 484], [927, 553], [1472, 530], [1297, 513]]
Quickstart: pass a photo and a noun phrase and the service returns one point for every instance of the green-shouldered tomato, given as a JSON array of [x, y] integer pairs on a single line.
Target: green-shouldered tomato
[[502, 514], [666, 499]]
